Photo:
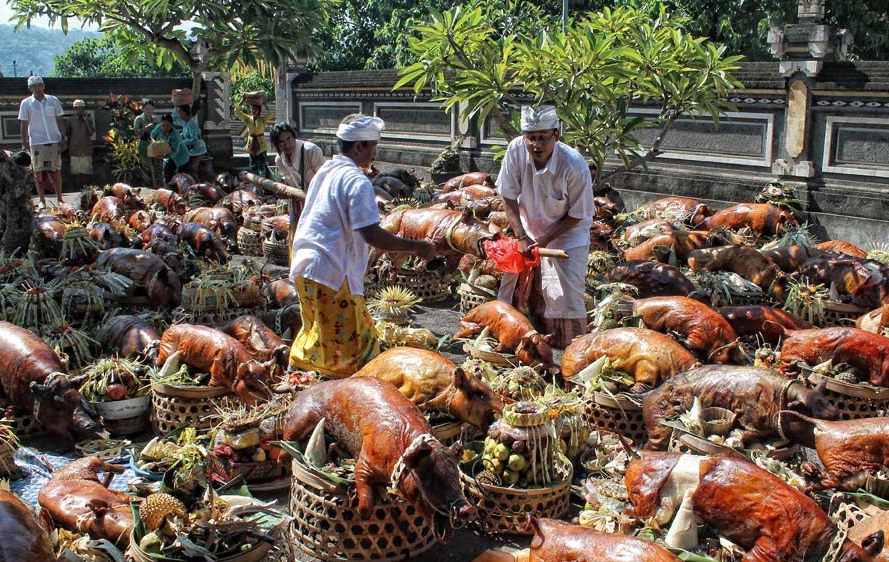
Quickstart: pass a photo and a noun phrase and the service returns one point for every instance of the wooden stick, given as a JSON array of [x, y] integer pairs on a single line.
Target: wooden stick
[[553, 253], [274, 186]]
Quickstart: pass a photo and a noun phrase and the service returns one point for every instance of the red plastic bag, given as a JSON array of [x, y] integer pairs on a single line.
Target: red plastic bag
[[504, 252]]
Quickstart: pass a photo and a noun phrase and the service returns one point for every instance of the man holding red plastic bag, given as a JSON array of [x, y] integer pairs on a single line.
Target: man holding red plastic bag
[[548, 193]]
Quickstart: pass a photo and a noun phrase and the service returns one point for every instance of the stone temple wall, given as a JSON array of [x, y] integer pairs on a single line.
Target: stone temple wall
[[827, 135]]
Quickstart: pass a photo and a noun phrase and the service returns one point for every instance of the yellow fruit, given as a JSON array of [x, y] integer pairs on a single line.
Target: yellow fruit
[[158, 507], [243, 440]]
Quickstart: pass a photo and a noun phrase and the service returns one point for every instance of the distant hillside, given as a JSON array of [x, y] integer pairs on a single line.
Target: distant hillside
[[35, 49]]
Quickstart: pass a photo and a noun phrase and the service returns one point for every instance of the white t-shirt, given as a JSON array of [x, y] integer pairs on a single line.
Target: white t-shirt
[[41, 117], [290, 170], [326, 246], [563, 187]]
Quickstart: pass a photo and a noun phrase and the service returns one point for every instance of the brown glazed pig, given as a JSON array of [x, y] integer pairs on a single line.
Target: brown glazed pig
[[261, 342], [557, 541], [648, 356], [218, 219], [863, 280], [129, 196], [683, 209], [205, 192], [875, 321], [747, 262], [157, 231], [748, 505], [107, 237], [139, 220], [868, 353], [108, 209], [34, 382], [49, 233], [757, 396], [702, 329], [129, 336], [181, 181], [169, 200], [23, 537], [636, 234], [763, 218], [472, 178], [433, 382], [841, 247], [679, 243], [238, 201], [791, 258], [203, 242], [281, 292], [454, 232], [764, 322], [78, 501], [652, 279], [225, 358], [511, 328], [148, 272], [382, 429]]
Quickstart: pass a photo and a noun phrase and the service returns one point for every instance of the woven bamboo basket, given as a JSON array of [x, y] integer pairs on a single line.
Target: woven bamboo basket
[[276, 251], [619, 415], [508, 510], [213, 318], [214, 301], [327, 526], [248, 295], [198, 407], [7, 461], [854, 401], [252, 472], [249, 242], [26, 425], [841, 314], [471, 298], [429, 286], [860, 517], [752, 300]]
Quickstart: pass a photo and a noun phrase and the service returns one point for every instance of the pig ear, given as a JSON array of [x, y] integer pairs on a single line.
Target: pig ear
[[412, 460], [549, 338], [456, 449], [459, 378], [873, 543]]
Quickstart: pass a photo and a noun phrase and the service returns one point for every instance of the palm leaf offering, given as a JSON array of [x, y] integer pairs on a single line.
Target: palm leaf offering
[[723, 287], [806, 301], [393, 301], [879, 251]]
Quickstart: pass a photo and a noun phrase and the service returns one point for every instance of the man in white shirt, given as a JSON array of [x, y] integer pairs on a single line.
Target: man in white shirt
[[43, 136], [548, 194], [330, 253]]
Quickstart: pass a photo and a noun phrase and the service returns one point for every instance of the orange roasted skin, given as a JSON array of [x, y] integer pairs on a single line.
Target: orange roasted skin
[[472, 178], [108, 209], [281, 292], [218, 219], [170, 200], [376, 424], [261, 341], [23, 538], [692, 211], [703, 330], [556, 541], [841, 247], [225, 358], [757, 396], [32, 376], [849, 449], [107, 237], [652, 279], [865, 351], [764, 322], [750, 506], [864, 280], [638, 233], [181, 181], [763, 218], [204, 242], [791, 258], [511, 328], [157, 231], [466, 233], [129, 196], [875, 321], [128, 335], [206, 191], [648, 356], [78, 500], [139, 220], [747, 262], [433, 382]]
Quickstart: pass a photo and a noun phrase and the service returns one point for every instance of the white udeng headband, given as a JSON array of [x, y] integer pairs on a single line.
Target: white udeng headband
[[365, 128], [539, 118]]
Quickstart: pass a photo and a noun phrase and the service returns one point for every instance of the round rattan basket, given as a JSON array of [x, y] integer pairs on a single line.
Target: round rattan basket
[[841, 314], [253, 472], [471, 297], [198, 407], [26, 425], [260, 553], [276, 251], [327, 526], [429, 286], [249, 242], [504, 510], [618, 414], [854, 401]]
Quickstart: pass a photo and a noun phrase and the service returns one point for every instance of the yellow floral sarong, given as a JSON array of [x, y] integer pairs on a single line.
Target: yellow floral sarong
[[338, 336]]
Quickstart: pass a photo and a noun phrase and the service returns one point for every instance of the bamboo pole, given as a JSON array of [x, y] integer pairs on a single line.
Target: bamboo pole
[[276, 187]]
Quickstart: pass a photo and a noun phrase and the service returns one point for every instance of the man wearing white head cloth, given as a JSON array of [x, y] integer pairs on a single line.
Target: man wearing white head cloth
[[339, 222], [548, 194], [43, 134]]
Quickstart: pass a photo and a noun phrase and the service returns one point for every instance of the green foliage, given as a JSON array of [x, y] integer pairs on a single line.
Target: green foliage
[[104, 58], [34, 50], [593, 73], [252, 81], [226, 31]]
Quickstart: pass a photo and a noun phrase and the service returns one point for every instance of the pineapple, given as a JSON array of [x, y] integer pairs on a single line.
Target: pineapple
[[157, 507]]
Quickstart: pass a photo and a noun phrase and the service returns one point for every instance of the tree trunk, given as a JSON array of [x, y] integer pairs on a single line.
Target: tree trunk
[[16, 220]]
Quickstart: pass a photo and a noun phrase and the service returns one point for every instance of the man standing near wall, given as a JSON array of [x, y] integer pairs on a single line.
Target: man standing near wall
[[80, 144], [548, 194], [42, 126]]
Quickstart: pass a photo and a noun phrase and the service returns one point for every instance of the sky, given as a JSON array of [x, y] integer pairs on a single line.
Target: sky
[[6, 13]]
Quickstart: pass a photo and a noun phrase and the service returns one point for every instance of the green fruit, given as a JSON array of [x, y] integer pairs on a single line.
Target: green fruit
[[510, 477], [501, 452], [516, 462]]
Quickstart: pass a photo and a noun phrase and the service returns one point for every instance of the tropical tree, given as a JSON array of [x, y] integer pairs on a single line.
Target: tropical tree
[[594, 72], [202, 34], [103, 58]]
